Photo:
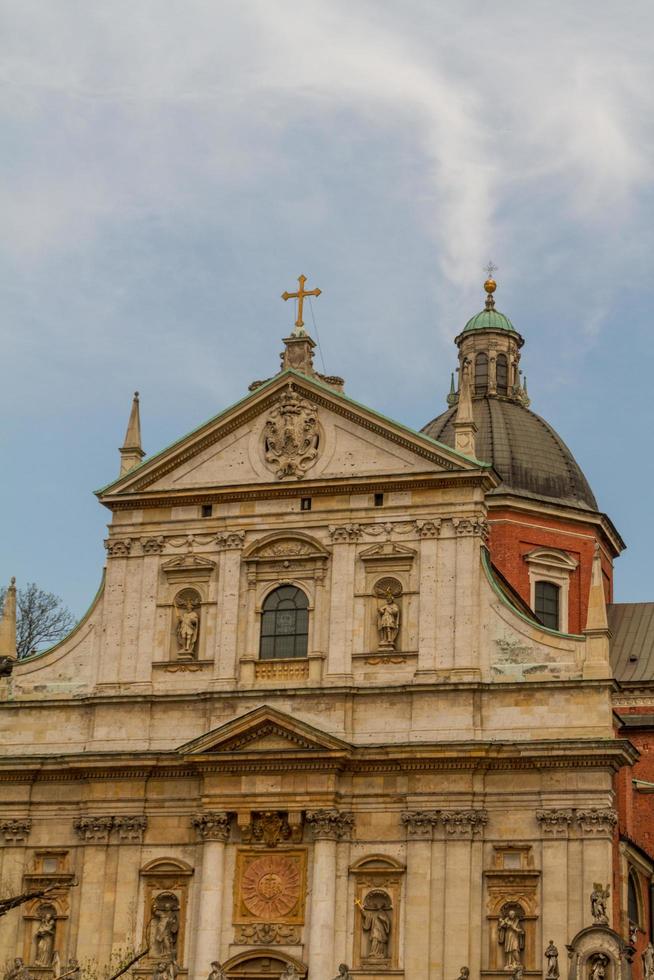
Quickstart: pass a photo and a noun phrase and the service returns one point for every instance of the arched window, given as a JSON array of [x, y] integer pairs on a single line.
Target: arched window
[[547, 604], [481, 374], [502, 374], [284, 624], [633, 903]]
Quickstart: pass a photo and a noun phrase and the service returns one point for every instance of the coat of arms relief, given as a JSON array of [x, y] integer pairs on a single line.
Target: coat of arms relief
[[291, 436]]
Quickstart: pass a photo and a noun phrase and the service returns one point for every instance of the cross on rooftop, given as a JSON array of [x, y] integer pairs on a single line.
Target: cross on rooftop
[[299, 296]]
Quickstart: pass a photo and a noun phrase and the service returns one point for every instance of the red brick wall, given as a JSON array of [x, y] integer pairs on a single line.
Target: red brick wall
[[513, 534]]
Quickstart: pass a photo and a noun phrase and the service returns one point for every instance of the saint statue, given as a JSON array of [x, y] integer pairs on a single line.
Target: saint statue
[[45, 936], [217, 972], [188, 624], [598, 969], [289, 973], [376, 921], [18, 971], [598, 899], [647, 957], [464, 973], [73, 971], [511, 937], [344, 973], [552, 957], [165, 925], [166, 970], [388, 622]]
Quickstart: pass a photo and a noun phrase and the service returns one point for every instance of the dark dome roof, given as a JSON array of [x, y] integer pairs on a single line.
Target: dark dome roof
[[527, 453]]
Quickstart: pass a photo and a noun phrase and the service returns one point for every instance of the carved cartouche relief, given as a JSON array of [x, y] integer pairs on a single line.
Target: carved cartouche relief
[[270, 887], [291, 437]]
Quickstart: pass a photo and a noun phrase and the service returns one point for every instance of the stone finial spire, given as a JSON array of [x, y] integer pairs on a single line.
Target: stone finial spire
[[465, 428], [596, 663], [131, 452], [8, 623]]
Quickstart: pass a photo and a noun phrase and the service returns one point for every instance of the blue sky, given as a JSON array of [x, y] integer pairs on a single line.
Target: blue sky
[[169, 167]]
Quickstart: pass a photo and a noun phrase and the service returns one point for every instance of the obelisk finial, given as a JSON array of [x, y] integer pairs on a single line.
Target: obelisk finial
[[131, 451]]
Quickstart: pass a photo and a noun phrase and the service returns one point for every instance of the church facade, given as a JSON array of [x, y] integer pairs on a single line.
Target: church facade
[[343, 697]]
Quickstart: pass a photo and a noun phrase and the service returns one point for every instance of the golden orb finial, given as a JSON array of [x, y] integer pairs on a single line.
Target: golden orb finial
[[490, 285]]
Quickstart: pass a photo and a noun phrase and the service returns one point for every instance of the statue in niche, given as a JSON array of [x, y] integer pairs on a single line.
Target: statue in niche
[[289, 973], [217, 972], [188, 625], [647, 957], [45, 936], [165, 926], [552, 957], [376, 912], [511, 937], [464, 973], [388, 621], [344, 973], [18, 971], [598, 967], [598, 903]]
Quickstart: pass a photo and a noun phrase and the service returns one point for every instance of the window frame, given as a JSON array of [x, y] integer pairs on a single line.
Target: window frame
[[554, 566], [481, 389], [278, 636]]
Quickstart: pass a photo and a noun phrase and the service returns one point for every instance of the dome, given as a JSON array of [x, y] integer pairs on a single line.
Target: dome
[[489, 320], [529, 456]]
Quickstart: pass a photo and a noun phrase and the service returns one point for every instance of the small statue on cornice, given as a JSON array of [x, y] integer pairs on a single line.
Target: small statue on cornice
[[464, 973], [599, 964], [217, 972], [552, 957], [344, 973], [598, 904], [18, 971], [647, 957]]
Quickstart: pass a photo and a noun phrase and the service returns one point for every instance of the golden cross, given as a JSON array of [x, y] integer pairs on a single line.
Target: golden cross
[[299, 296]]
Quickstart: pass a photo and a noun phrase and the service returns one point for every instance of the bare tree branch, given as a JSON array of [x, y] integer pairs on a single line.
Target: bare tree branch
[[6, 904], [125, 968], [42, 618]]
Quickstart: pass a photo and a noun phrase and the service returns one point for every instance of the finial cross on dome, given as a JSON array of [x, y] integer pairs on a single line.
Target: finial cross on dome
[[490, 285], [490, 269]]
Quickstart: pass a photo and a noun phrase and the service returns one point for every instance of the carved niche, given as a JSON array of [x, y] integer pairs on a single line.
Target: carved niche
[[599, 953], [377, 892], [186, 604], [187, 622], [389, 581], [269, 895], [389, 613], [46, 918], [291, 435], [512, 901], [165, 908]]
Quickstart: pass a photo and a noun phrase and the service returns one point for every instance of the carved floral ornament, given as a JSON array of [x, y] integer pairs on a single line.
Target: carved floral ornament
[[97, 830], [291, 435], [462, 526], [329, 824], [16, 830]]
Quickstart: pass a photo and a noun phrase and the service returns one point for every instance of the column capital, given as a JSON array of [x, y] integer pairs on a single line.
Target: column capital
[[345, 532], [212, 825], [131, 828], [464, 823], [329, 824], [94, 830], [555, 822], [16, 830], [596, 821], [419, 823]]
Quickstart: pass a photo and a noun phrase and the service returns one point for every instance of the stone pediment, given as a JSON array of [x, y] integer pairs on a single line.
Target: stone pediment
[[264, 730], [188, 567], [292, 428], [387, 549]]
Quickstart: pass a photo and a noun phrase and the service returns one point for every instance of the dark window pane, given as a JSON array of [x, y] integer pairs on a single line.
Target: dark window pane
[[481, 374], [547, 604], [502, 374], [632, 901], [284, 624]]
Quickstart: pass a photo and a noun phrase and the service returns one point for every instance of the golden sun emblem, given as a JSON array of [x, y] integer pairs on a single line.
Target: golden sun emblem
[[271, 887]]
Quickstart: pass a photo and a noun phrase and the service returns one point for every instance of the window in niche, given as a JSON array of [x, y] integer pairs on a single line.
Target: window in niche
[[502, 374], [481, 374], [284, 624], [547, 604]]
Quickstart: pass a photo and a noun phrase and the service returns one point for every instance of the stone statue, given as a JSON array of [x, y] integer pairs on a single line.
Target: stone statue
[[18, 971], [518, 972], [45, 936], [289, 973], [376, 921], [598, 903], [552, 957], [73, 971], [511, 937], [217, 972], [165, 926], [344, 973], [647, 957], [388, 622], [464, 973], [165, 970], [598, 968], [188, 624]]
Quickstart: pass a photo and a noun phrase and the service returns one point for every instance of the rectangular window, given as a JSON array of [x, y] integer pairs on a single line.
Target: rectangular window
[[207, 510], [379, 500], [547, 604], [305, 503]]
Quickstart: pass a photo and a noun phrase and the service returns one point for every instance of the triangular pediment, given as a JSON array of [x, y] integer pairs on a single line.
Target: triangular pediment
[[292, 428], [387, 549], [264, 730], [188, 562]]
